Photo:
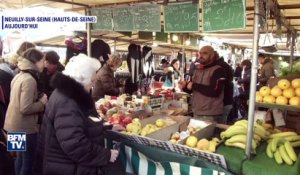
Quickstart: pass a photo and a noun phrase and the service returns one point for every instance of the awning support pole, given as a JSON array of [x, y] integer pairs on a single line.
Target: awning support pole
[[88, 28], [253, 80], [292, 52]]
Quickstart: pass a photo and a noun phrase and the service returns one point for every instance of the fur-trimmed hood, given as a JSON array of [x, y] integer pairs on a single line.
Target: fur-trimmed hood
[[74, 90]]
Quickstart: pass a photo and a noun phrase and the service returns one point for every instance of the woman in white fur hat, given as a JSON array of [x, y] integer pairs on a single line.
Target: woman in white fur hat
[[71, 139]]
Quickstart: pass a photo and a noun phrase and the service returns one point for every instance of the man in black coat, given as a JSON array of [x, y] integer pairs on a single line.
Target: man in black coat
[[52, 65]]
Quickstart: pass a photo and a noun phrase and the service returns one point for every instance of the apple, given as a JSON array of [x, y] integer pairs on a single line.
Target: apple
[[129, 127], [191, 129], [126, 120], [191, 141], [283, 84], [116, 116], [135, 120], [175, 136], [144, 133], [103, 109], [160, 122], [264, 91], [115, 121], [112, 111], [107, 104]]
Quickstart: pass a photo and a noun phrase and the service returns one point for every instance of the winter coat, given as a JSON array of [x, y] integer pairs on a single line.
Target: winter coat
[[228, 85], [71, 137], [104, 83], [266, 72], [45, 77], [24, 106], [208, 90], [6, 160], [6, 76], [245, 83]]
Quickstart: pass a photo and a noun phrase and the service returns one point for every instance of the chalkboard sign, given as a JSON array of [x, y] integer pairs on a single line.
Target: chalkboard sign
[[123, 19], [104, 19], [223, 15], [146, 17], [181, 18]]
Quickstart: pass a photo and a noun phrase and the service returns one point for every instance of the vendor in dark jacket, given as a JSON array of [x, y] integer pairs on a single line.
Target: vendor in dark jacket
[[208, 87], [104, 82], [245, 79], [52, 65], [228, 87], [71, 138], [244, 88]]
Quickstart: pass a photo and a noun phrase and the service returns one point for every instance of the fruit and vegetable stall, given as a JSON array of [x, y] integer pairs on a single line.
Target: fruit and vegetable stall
[[155, 124]]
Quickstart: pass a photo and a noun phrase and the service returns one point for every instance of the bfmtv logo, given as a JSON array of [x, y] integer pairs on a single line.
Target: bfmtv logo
[[16, 141]]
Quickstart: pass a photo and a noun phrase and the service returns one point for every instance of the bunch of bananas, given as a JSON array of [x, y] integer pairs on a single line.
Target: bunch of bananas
[[280, 147], [235, 135]]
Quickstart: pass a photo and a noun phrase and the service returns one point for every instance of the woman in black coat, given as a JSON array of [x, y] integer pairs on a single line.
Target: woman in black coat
[[71, 137]]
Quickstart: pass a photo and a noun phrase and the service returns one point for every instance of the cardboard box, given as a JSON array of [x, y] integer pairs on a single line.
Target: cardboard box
[[206, 132], [292, 120], [164, 133]]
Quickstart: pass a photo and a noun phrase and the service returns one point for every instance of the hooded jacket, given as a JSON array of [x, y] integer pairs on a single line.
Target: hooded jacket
[[24, 106], [71, 138]]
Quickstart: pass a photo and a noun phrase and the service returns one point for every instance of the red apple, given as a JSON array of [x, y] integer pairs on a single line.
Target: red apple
[[126, 120]]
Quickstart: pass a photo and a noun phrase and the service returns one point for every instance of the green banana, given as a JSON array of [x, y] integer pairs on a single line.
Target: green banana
[[285, 156], [293, 138], [269, 151], [275, 142], [295, 144], [278, 157], [290, 150], [283, 134]]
